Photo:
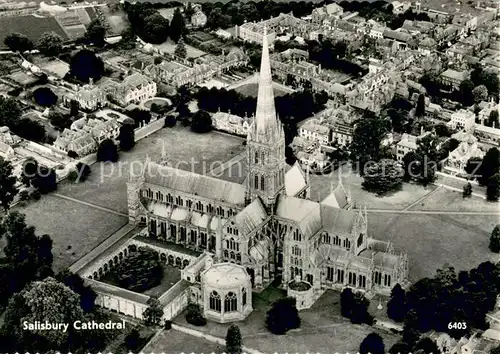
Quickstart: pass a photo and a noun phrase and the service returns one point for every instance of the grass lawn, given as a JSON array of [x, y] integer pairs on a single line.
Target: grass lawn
[[171, 275], [409, 193], [433, 240], [251, 90], [322, 329], [175, 342], [75, 228], [106, 186], [169, 47], [450, 200]]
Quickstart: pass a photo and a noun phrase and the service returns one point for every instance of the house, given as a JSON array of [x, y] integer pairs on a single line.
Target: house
[[486, 109], [462, 119], [312, 129], [134, 89], [231, 123], [453, 78], [198, 19], [408, 143], [458, 158], [90, 98], [319, 14], [399, 7]]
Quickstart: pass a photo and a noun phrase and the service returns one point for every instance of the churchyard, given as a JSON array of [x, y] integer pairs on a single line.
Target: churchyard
[[75, 228], [169, 47], [322, 328], [179, 342]]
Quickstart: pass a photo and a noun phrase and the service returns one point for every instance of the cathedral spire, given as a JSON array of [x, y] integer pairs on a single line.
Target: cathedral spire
[[265, 116]]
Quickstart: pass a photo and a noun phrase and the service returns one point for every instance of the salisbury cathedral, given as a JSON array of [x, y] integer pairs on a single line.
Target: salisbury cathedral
[[268, 224]]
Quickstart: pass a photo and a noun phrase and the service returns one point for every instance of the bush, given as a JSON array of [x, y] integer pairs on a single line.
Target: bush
[[170, 121], [36, 195], [72, 154], [73, 175], [167, 325], [24, 195], [44, 96], [133, 340], [194, 315], [140, 271]]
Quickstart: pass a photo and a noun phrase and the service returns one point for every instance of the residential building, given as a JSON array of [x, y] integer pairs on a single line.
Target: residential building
[[135, 88], [458, 158], [452, 78], [329, 11], [198, 19], [462, 119], [231, 123], [85, 135], [90, 98]]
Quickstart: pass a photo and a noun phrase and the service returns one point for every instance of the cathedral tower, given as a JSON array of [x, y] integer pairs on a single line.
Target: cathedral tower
[[265, 141]]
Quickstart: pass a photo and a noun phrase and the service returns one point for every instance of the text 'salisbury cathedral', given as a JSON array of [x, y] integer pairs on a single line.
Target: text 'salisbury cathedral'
[[268, 225]]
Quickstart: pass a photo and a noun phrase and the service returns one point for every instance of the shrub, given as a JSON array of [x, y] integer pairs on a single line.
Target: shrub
[[24, 195], [194, 315], [72, 154], [170, 121], [36, 195]]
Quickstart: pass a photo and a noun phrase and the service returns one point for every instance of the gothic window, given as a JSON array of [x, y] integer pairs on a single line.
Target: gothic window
[[179, 201], [360, 239], [326, 238], [203, 239], [362, 281], [309, 278], [340, 275], [256, 158], [387, 280], [215, 302], [377, 278], [256, 182], [329, 273], [189, 203], [243, 296], [230, 302], [231, 255], [352, 279], [347, 243], [296, 251], [262, 184], [336, 241], [210, 208], [170, 199], [262, 157], [238, 257], [226, 254], [212, 242], [199, 206], [296, 235], [193, 236]]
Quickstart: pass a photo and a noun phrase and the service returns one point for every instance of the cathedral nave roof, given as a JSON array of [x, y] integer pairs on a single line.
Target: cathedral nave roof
[[180, 214], [193, 183], [338, 221], [305, 213], [200, 219], [329, 253], [158, 208], [382, 259], [251, 217]]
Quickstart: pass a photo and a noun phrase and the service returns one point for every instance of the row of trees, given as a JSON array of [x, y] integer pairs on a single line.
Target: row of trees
[[433, 303], [151, 26], [487, 172], [10, 116]]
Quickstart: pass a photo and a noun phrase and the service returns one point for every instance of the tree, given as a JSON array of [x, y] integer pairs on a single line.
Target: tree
[[44, 96], [467, 192], [96, 33], [83, 171], [30, 255], [495, 239], [77, 284], [473, 166], [59, 120], [18, 42], [233, 340], [170, 121], [201, 122], [383, 176], [133, 340], [427, 345], [396, 305], [45, 180], [194, 315], [126, 137], [177, 26], [180, 49], [155, 30], [283, 316], [495, 350], [8, 189], [107, 151], [493, 119], [489, 166], [85, 65], [372, 344], [52, 301], [480, 93], [493, 188], [346, 302], [74, 106], [50, 44], [400, 348], [420, 108], [367, 136], [153, 313]]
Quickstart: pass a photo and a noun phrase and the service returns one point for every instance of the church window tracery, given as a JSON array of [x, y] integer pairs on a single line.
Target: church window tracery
[[215, 301], [230, 302]]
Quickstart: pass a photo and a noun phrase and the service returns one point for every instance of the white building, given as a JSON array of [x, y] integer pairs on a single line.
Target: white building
[[90, 98], [462, 119], [198, 19], [231, 123]]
